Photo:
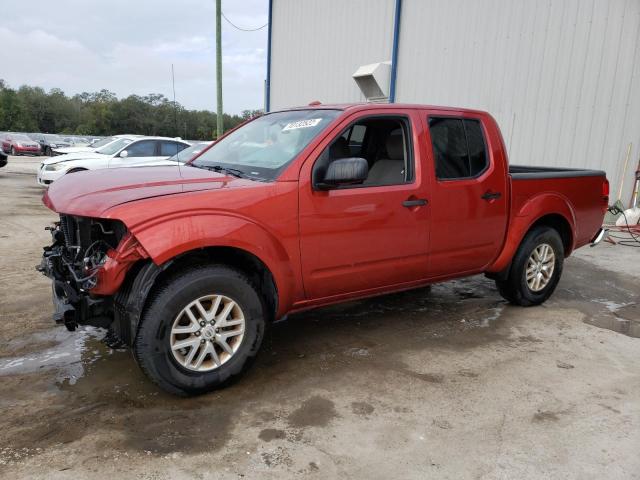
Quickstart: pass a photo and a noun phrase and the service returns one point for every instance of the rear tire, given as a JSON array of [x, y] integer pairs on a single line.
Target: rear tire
[[536, 268], [155, 347]]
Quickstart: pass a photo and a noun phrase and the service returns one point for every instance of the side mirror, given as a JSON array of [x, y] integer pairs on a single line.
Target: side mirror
[[123, 154], [345, 171]]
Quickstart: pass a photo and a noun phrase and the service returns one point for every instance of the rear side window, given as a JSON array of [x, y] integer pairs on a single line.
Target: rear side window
[[169, 149], [458, 147]]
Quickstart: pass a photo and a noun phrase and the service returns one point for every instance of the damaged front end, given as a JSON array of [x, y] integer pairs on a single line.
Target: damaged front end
[[87, 262]]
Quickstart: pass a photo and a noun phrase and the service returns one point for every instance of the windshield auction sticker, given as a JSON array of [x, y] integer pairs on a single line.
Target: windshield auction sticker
[[312, 122]]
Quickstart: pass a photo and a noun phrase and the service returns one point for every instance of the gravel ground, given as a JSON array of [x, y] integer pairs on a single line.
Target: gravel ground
[[448, 384]]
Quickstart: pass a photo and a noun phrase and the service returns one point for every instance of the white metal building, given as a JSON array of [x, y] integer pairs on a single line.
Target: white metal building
[[562, 77]]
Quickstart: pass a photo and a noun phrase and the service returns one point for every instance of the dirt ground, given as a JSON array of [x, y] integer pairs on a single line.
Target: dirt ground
[[448, 384]]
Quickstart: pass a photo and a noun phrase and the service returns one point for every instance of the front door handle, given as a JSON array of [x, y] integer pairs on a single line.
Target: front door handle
[[491, 195], [418, 202]]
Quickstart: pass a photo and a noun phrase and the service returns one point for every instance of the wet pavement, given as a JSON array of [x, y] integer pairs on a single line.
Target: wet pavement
[[447, 383]]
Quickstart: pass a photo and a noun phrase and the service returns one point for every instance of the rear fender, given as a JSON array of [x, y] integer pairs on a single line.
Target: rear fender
[[521, 222], [166, 238]]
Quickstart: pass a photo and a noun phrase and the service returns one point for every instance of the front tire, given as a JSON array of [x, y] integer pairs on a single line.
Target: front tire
[[201, 330], [536, 268]]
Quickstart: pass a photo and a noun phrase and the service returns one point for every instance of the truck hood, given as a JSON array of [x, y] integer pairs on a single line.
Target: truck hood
[[92, 193]]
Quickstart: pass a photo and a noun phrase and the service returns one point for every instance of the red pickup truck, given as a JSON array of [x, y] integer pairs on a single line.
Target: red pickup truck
[[303, 208]]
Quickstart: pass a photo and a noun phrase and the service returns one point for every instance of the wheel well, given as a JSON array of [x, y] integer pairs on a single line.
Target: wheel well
[[77, 169], [561, 225], [248, 263], [555, 221]]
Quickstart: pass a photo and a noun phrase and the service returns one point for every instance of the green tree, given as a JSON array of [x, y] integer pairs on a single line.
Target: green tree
[[32, 109]]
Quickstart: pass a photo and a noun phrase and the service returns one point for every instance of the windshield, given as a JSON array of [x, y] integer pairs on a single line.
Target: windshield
[[102, 142], [22, 138], [114, 147], [265, 146], [188, 153], [53, 138]]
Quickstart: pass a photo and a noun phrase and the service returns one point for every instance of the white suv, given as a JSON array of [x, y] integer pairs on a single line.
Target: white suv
[[126, 151]]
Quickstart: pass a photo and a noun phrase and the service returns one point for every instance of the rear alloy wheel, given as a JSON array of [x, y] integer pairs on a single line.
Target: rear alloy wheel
[[202, 329], [536, 268], [540, 267]]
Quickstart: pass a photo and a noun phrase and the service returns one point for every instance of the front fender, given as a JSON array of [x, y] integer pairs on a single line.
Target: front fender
[[529, 213], [167, 237]]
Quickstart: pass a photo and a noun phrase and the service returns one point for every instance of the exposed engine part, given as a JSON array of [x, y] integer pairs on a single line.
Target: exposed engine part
[[80, 247], [79, 250]]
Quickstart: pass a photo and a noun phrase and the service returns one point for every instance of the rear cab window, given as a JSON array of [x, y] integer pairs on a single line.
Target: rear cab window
[[459, 147]]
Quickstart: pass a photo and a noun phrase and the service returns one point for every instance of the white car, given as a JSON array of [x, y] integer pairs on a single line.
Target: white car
[[127, 151], [92, 147]]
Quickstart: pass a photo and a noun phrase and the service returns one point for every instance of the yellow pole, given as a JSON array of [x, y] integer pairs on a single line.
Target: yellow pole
[[624, 171]]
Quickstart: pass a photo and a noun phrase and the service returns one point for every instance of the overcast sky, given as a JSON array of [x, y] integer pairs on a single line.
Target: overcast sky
[[128, 46]]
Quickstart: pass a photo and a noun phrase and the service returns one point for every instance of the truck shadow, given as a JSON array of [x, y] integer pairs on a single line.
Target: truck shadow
[[105, 396]]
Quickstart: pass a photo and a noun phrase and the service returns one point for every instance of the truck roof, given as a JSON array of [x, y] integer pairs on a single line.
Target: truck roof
[[376, 106]]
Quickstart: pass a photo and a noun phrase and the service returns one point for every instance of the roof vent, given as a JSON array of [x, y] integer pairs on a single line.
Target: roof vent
[[373, 80]]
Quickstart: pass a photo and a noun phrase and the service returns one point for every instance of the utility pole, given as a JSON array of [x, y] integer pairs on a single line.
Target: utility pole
[[219, 124], [175, 105]]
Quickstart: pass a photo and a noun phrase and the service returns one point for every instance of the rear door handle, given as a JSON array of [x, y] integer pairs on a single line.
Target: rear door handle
[[418, 202], [491, 195]]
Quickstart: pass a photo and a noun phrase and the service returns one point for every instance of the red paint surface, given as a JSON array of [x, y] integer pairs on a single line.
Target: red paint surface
[[327, 246]]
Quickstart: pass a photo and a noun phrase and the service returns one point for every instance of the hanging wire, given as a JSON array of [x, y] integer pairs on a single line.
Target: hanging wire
[[241, 28]]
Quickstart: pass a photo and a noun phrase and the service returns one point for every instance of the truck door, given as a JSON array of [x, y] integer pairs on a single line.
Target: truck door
[[361, 237], [469, 198]]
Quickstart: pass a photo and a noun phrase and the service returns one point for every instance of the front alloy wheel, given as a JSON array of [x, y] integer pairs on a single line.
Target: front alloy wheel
[[202, 328], [207, 333]]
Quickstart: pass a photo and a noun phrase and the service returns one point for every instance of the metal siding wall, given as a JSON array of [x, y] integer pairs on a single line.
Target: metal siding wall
[[318, 44], [562, 77]]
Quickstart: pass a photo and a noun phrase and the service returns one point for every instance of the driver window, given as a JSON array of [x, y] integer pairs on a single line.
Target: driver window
[[384, 142]]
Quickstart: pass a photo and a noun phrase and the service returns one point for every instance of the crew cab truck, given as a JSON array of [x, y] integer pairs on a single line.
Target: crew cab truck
[[299, 209]]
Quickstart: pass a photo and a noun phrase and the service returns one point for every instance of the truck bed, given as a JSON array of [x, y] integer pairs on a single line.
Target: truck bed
[[581, 188], [524, 172]]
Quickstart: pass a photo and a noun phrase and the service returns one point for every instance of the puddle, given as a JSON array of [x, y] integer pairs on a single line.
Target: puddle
[[71, 354], [607, 299], [610, 305]]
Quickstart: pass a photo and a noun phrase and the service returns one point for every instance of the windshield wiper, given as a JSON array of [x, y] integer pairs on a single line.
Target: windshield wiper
[[219, 168]]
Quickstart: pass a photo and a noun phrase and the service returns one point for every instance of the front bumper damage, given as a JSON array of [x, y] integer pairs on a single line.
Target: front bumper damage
[[87, 262]]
